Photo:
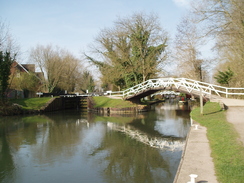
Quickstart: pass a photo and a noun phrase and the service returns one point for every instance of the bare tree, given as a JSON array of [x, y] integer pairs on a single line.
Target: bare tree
[[188, 42], [224, 20], [58, 66], [7, 43], [71, 73]]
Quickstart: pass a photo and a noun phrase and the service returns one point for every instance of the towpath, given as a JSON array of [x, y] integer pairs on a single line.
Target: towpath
[[197, 158]]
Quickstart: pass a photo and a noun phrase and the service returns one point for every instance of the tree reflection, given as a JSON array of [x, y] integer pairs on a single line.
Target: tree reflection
[[6, 159], [58, 139], [52, 139], [132, 161]]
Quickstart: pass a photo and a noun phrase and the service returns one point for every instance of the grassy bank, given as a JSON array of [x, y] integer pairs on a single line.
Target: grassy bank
[[31, 103], [227, 152], [110, 102]]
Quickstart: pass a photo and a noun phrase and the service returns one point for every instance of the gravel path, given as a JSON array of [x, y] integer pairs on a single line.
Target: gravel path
[[235, 115]]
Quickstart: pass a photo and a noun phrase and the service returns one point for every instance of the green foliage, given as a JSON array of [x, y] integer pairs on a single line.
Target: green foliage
[[224, 77], [227, 151], [182, 95], [5, 64], [132, 51], [29, 81], [87, 82]]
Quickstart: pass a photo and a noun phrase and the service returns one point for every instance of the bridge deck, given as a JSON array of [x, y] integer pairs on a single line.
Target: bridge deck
[[150, 91], [230, 102], [193, 87]]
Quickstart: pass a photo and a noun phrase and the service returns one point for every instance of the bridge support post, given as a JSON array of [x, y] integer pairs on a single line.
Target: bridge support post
[[210, 93], [201, 102]]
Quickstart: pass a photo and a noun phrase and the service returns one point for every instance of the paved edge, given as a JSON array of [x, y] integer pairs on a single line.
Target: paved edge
[[196, 157], [235, 107], [182, 158]]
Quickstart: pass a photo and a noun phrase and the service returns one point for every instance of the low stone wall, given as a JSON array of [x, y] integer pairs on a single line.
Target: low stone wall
[[53, 105], [138, 108]]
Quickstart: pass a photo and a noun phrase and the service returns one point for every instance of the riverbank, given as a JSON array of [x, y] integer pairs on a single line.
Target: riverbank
[[99, 104], [106, 105], [38, 105], [215, 142]]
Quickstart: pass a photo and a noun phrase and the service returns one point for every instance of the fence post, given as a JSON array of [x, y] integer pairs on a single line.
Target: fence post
[[226, 96]]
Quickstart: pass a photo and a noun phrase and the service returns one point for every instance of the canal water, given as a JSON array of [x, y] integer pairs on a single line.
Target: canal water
[[74, 146]]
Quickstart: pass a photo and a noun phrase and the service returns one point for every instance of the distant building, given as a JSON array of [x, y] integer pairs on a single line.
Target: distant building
[[16, 70]]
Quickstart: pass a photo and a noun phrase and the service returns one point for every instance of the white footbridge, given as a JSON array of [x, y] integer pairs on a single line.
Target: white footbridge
[[189, 86]]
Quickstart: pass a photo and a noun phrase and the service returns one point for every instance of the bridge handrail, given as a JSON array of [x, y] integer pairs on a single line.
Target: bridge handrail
[[214, 88], [189, 84]]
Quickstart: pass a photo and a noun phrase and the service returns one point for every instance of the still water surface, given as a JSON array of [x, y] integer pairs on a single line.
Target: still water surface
[[78, 147]]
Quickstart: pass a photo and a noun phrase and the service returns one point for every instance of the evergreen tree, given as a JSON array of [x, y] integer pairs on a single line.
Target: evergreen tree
[[132, 51], [224, 77], [5, 64], [87, 82]]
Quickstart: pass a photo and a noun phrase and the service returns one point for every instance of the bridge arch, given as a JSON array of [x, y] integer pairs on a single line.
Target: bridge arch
[[184, 85]]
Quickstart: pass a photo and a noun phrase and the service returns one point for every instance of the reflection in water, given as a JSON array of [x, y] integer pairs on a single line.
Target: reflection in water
[[171, 144], [6, 159], [69, 147], [169, 122]]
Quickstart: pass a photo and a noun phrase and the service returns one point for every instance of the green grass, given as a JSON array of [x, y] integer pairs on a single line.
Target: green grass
[[101, 102], [32, 103], [227, 151]]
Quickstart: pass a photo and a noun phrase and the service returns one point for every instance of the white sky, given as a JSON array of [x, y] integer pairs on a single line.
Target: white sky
[[183, 3], [74, 24]]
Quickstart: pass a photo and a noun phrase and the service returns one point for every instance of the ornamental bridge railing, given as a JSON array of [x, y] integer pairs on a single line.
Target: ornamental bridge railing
[[183, 85]]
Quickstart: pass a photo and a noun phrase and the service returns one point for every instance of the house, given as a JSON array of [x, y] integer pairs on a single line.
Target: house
[[17, 69]]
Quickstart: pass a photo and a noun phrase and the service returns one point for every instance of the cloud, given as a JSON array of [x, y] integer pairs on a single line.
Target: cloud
[[182, 3]]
